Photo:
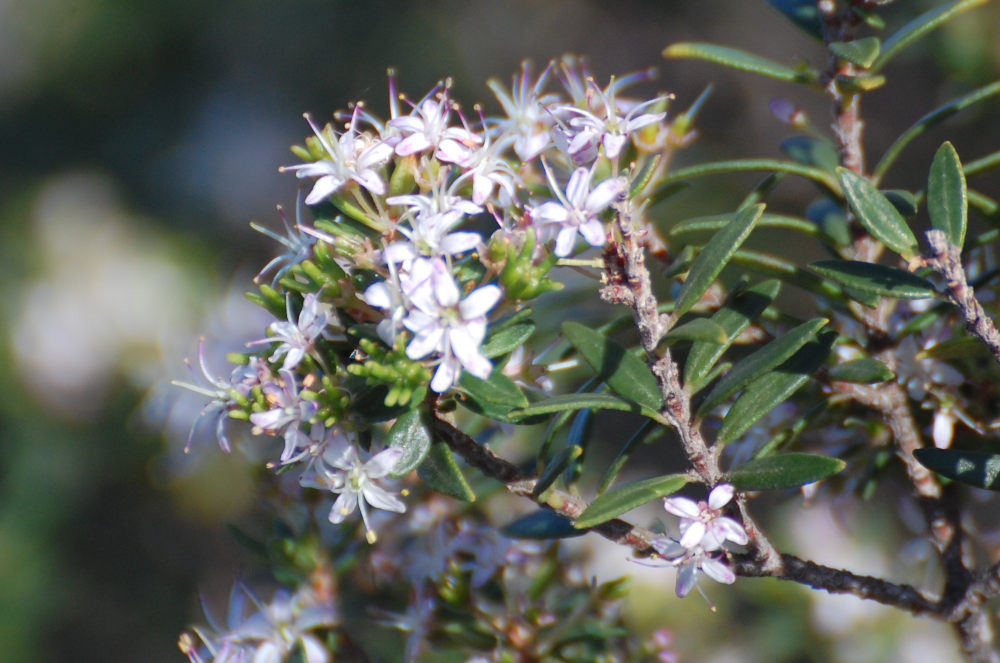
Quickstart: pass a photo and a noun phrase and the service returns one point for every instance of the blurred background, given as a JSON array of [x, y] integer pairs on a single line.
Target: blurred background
[[137, 142]]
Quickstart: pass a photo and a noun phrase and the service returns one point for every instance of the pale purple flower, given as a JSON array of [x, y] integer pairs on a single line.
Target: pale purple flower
[[578, 210], [702, 523], [298, 243], [455, 328], [353, 156], [431, 219], [225, 394], [604, 126], [690, 563], [288, 411], [341, 471], [485, 166], [297, 339], [527, 120], [427, 126]]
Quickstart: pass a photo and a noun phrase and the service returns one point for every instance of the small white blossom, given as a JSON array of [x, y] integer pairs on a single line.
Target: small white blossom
[[296, 339], [527, 120], [288, 411], [578, 209], [702, 523], [427, 126], [340, 470], [690, 563]]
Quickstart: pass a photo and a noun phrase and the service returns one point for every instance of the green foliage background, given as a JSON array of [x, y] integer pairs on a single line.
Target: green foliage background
[[183, 111]]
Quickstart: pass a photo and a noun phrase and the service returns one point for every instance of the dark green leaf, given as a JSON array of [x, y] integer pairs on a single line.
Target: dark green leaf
[[861, 52], [824, 177], [760, 362], [626, 451], [737, 59], [554, 467], [497, 389], [831, 220], [811, 151], [875, 279], [733, 318], [877, 214], [699, 329], [972, 467], [936, 116], [771, 389], [947, 197], [625, 498], [542, 524], [802, 13], [966, 347], [920, 26], [714, 257], [441, 473], [581, 402], [784, 471], [622, 370], [850, 85], [904, 201], [410, 434], [506, 339], [642, 178], [706, 224], [865, 371], [771, 265]]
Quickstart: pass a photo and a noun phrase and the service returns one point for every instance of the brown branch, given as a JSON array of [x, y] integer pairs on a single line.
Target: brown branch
[[946, 260]]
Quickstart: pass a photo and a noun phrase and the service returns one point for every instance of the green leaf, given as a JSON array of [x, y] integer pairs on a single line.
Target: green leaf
[[962, 347], [733, 318], [625, 498], [824, 177], [829, 217], [706, 224], [737, 59], [929, 120], [410, 434], [975, 468], [771, 389], [714, 257], [699, 329], [554, 467], [875, 279], [920, 26], [982, 164], [760, 362], [771, 265], [877, 214], [641, 179], [904, 202], [947, 197], [622, 370], [626, 451], [542, 524], [566, 402], [850, 85], [802, 13], [784, 471], [497, 389], [506, 339], [861, 52], [811, 151], [440, 472], [864, 371]]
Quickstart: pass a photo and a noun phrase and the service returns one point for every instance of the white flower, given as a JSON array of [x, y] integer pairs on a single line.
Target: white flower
[[427, 126], [702, 523], [353, 156], [288, 411], [527, 120], [454, 328], [296, 339], [578, 210], [341, 471], [690, 563]]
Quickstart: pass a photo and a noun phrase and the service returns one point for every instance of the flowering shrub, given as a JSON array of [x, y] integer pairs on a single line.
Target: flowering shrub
[[410, 342]]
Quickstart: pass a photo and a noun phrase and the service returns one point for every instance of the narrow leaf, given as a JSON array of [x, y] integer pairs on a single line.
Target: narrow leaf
[[554, 467], [784, 471], [440, 472], [507, 339], [714, 257], [542, 524], [861, 52], [566, 402], [622, 370], [733, 318], [410, 434], [811, 151], [699, 329], [936, 116], [625, 498], [626, 451], [765, 359], [947, 197], [920, 26], [497, 389], [971, 467], [824, 177], [706, 224], [962, 347], [904, 202], [737, 59], [864, 371], [877, 214], [771, 265], [771, 389], [875, 279]]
